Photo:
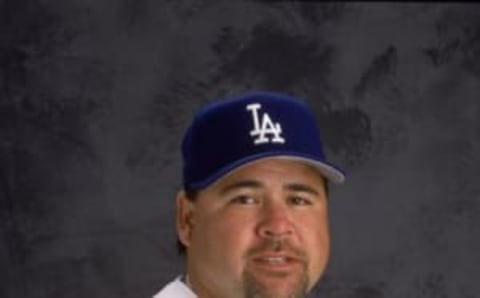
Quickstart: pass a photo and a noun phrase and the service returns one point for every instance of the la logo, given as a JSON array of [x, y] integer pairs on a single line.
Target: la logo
[[264, 129]]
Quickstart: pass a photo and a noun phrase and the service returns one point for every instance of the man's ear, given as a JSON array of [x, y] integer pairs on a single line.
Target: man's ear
[[185, 210]]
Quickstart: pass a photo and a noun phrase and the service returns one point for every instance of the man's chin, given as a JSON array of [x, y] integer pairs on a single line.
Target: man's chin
[[275, 285]]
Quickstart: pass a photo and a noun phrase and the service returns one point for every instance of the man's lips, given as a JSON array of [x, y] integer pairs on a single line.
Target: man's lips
[[279, 261], [278, 256]]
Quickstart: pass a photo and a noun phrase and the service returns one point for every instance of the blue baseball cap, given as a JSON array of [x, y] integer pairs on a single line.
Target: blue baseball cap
[[233, 132]]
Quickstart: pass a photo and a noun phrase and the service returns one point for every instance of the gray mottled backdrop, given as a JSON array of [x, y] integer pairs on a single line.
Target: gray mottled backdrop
[[95, 95]]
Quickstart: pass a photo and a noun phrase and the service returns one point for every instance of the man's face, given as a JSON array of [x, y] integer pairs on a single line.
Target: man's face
[[260, 231]]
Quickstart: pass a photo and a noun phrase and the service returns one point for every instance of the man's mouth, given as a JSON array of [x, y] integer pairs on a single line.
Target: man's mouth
[[281, 262], [273, 260]]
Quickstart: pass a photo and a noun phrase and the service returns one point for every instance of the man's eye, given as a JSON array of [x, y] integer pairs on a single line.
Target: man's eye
[[244, 200], [299, 201]]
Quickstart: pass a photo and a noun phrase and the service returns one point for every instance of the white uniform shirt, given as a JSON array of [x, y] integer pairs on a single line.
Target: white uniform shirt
[[175, 289]]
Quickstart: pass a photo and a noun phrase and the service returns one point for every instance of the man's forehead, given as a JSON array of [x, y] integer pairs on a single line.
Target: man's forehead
[[280, 170]]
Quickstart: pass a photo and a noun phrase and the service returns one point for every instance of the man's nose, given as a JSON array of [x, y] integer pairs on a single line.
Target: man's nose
[[275, 222]]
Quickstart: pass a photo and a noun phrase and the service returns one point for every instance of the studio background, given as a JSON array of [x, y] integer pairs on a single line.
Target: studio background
[[95, 95]]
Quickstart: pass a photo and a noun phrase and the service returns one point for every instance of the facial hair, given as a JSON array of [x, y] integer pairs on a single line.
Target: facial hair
[[254, 288]]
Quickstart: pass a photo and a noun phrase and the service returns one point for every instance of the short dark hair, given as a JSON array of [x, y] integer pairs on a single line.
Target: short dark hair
[[192, 196]]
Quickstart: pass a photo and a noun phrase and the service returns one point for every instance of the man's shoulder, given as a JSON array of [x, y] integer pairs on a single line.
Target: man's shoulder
[[175, 289]]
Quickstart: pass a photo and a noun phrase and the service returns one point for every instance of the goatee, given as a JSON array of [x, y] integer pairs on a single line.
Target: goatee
[[254, 288]]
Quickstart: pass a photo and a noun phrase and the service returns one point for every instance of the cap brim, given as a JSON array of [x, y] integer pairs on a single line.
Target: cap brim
[[329, 171]]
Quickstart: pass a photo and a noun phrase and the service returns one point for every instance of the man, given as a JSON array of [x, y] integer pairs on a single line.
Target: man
[[253, 212]]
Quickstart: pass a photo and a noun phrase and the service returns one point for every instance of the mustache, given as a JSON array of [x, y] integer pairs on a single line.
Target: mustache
[[278, 245]]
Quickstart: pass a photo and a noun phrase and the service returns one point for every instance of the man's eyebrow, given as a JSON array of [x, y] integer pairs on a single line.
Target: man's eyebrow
[[240, 184], [300, 187]]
